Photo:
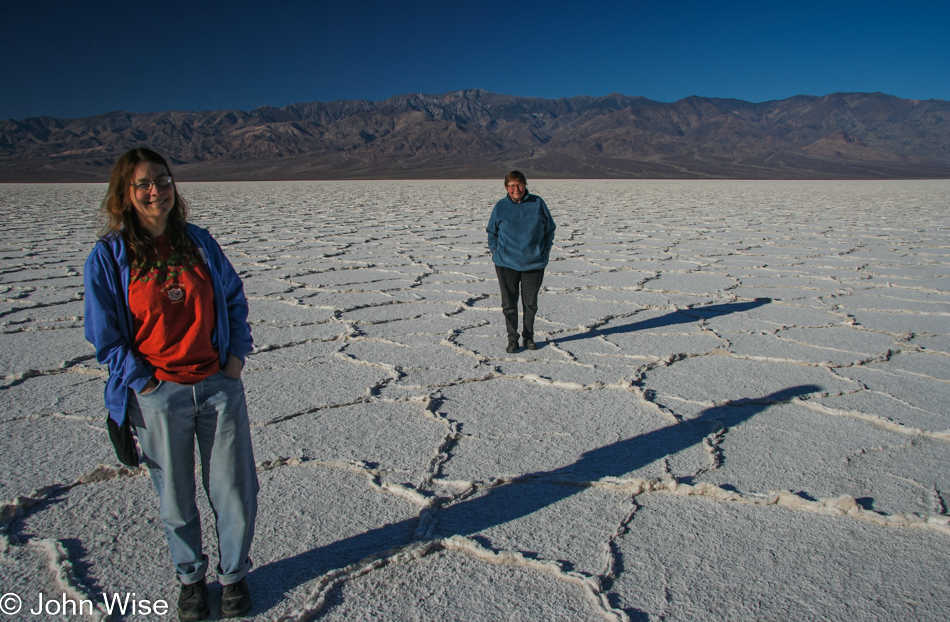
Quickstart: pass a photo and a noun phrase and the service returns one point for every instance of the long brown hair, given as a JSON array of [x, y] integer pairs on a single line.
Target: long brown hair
[[119, 213]]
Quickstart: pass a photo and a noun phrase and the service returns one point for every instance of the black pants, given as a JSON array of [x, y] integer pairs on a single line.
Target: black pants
[[530, 283]]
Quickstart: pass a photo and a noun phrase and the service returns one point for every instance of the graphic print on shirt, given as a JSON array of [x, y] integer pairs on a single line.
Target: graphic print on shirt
[[167, 273], [173, 318], [175, 292]]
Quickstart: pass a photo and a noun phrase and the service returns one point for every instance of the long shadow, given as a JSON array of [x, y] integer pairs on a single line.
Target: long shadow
[[516, 499], [676, 317]]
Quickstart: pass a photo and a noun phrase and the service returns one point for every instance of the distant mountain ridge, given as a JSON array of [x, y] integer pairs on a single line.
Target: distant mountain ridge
[[478, 134]]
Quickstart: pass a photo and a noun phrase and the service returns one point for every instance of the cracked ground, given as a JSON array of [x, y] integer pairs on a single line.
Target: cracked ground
[[738, 409]]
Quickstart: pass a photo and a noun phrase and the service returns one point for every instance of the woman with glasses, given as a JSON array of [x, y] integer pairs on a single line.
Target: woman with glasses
[[520, 236], [166, 312]]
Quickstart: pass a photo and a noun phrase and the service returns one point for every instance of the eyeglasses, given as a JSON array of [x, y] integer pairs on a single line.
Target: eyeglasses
[[159, 182], [517, 185]]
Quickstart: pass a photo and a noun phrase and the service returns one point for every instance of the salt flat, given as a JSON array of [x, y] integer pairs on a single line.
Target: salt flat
[[738, 409]]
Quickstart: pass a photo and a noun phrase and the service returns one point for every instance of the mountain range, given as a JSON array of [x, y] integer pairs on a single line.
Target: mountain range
[[477, 134]]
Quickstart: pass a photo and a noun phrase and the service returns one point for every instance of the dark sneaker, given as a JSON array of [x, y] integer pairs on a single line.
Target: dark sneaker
[[235, 600], [512, 347], [529, 343], [193, 602]]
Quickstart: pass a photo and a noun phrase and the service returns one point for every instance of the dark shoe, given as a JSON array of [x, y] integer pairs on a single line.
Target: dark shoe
[[235, 600], [193, 602], [512, 347], [529, 343]]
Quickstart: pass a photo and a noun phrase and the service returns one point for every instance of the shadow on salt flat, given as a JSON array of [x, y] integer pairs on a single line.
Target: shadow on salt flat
[[670, 319], [512, 501]]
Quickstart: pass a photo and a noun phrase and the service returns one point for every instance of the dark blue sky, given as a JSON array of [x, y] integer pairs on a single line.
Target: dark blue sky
[[72, 58]]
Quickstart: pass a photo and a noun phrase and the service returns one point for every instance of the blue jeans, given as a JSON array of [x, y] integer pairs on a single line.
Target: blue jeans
[[167, 422]]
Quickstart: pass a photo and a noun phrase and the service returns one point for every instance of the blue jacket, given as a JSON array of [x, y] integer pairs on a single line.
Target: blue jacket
[[108, 319], [520, 235]]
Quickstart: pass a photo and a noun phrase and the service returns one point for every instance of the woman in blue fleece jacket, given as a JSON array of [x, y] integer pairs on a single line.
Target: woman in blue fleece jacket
[[166, 312], [520, 236]]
